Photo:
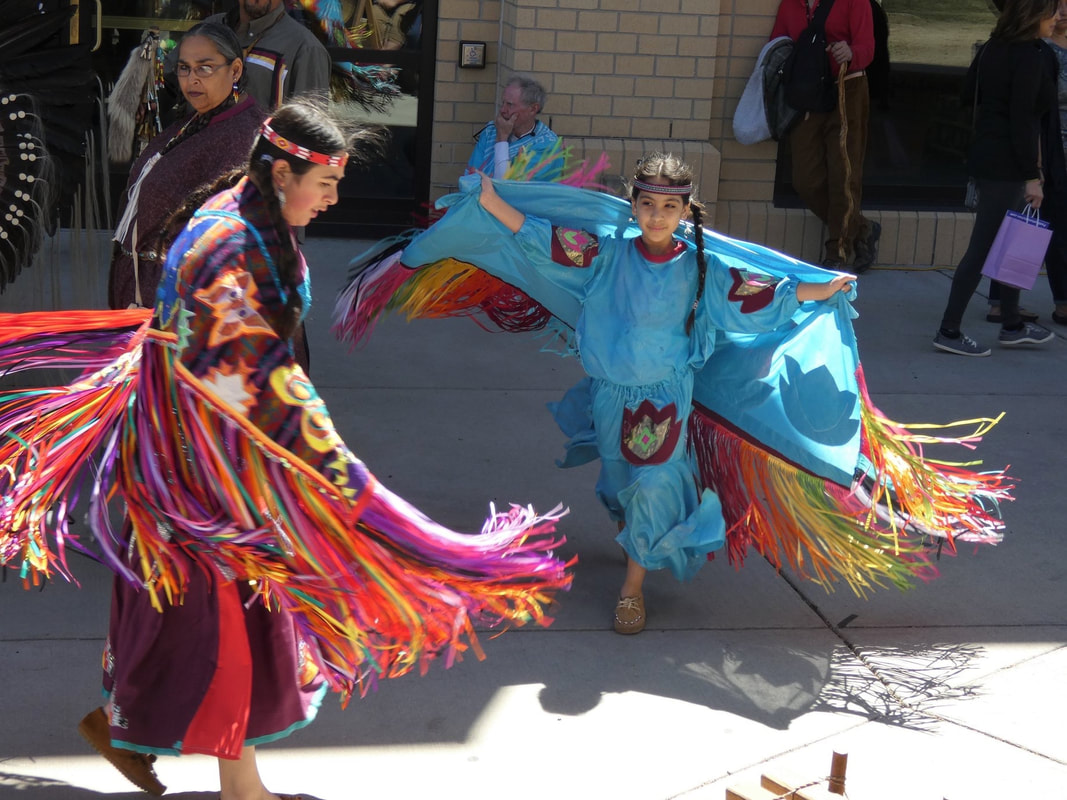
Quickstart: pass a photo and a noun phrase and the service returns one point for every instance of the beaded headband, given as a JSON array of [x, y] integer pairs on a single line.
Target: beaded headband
[[656, 188], [299, 151]]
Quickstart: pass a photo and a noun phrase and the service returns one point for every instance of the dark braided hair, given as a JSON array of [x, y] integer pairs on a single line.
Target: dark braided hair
[[309, 122], [672, 171], [697, 210]]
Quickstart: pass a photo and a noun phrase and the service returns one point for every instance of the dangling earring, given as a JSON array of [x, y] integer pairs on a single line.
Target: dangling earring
[[236, 93], [279, 192]]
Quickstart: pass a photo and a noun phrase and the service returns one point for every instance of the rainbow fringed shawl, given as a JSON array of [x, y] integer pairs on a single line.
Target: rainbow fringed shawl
[[809, 472], [212, 441]]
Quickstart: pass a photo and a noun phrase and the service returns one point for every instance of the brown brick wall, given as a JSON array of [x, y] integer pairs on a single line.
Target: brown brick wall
[[626, 76], [625, 70]]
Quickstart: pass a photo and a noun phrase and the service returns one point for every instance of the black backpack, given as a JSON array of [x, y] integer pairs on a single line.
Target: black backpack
[[781, 117], [809, 83]]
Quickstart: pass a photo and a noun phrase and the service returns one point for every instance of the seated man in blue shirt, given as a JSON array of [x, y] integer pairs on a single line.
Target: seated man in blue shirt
[[515, 128]]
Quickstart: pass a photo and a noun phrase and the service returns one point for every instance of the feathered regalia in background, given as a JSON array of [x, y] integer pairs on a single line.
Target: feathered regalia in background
[[133, 105], [46, 108], [370, 85]]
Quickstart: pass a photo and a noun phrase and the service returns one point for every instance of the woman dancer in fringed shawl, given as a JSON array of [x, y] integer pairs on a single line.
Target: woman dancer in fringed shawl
[[260, 562], [725, 407]]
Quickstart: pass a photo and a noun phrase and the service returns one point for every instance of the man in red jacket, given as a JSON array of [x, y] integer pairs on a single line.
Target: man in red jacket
[[819, 170]]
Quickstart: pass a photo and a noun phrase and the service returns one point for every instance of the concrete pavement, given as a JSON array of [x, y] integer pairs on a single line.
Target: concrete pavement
[[950, 691]]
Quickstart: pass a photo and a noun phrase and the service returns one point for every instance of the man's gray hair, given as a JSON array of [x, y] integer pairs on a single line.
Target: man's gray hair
[[532, 92]]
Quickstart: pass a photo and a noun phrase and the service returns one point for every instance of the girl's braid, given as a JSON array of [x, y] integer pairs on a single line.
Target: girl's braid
[[697, 211], [288, 263]]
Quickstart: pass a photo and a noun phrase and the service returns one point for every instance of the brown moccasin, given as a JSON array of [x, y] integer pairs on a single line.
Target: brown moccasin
[[135, 767], [630, 615]]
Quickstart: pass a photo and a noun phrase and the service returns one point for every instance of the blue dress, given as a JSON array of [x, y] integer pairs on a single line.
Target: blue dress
[[631, 337]]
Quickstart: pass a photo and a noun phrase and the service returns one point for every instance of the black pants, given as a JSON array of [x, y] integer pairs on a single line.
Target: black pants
[[995, 198]]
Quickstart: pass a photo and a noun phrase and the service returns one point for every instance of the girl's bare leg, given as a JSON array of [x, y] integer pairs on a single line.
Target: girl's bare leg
[[635, 579], [630, 609], [240, 779]]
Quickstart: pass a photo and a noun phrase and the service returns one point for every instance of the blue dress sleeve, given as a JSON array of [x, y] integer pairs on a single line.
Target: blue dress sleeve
[[742, 300], [565, 257]]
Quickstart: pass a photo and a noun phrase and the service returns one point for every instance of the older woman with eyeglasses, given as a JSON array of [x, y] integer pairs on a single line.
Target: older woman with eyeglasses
[[212, 140]]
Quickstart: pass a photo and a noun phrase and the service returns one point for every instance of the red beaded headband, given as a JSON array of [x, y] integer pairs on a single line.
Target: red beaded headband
[[301, 152], [657, 188]]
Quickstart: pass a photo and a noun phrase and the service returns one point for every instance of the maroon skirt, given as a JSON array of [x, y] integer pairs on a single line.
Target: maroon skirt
[[210, 675]]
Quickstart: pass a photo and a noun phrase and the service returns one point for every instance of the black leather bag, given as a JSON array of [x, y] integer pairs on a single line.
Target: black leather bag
[[809, 82]]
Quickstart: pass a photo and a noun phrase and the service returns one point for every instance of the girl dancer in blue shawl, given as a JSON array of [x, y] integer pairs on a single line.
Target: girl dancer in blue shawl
[[649, 311], [724, 397]]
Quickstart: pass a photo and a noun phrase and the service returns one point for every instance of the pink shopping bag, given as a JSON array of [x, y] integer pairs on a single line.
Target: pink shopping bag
[[1019, 249]]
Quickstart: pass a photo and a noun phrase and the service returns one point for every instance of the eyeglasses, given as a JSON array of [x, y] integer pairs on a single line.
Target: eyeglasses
[[200, 70]]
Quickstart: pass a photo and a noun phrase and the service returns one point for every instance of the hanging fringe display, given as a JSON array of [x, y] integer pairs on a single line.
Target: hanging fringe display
[[27, 184], [46, 104]]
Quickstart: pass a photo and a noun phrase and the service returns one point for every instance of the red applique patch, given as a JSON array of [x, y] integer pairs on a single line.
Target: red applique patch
[[753, 290], [573, 248], [650, 434]]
